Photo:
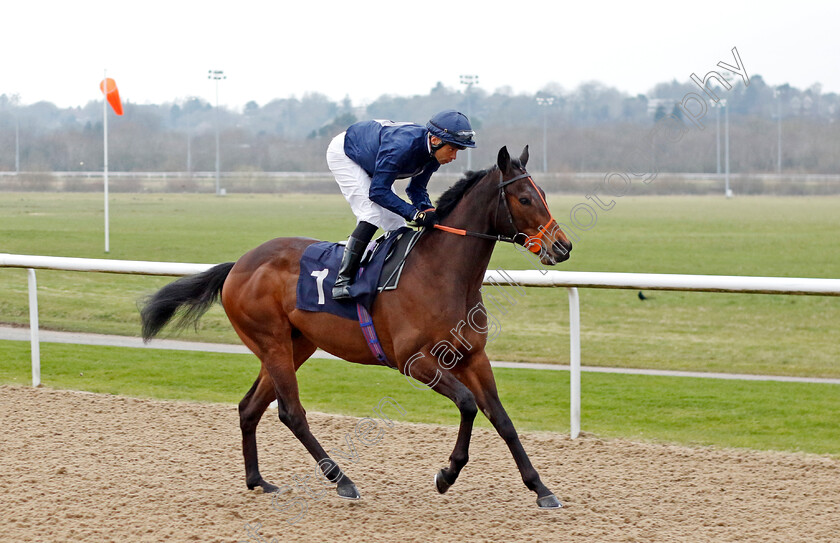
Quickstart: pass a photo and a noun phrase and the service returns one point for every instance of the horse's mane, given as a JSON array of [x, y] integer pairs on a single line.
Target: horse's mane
[[449, 199]]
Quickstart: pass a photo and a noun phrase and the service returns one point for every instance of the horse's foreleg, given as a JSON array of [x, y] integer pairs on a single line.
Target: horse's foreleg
[[446, 384], [478, 377], [251, 409]]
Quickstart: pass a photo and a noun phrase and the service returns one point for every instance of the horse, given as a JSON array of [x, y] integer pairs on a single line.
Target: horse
[[438, 293]]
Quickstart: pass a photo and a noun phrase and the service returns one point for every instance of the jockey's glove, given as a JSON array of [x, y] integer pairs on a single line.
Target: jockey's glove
[[426, 218]]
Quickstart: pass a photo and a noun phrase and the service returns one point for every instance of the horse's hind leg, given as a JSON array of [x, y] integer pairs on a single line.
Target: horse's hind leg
[[251, 409], [281, 368]]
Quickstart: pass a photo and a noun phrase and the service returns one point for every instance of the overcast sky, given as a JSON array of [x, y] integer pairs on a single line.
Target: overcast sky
[[160, 51]]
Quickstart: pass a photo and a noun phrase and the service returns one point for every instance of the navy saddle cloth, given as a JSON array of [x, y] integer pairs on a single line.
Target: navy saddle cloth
[[319, 269]]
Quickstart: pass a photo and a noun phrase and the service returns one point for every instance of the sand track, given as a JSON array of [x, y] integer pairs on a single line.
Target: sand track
[[91, 467]]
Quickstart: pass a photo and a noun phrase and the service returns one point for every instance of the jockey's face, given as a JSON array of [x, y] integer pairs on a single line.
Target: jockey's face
[[445, 154]]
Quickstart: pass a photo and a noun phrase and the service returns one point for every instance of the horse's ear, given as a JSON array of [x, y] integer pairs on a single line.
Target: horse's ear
[[523, 158], [503, 161]]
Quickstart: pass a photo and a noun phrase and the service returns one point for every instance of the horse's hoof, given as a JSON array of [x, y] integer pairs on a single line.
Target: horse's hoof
[[549, 502], [441, 483], [267, 487], [348, 492]]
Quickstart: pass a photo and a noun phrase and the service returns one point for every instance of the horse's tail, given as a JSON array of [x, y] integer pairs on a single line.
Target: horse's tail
[[193, 295]]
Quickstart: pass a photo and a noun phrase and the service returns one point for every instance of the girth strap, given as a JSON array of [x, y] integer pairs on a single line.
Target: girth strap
[[366, 322]]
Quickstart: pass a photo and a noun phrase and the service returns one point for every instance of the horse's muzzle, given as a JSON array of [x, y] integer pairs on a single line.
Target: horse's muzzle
[[560, 252]]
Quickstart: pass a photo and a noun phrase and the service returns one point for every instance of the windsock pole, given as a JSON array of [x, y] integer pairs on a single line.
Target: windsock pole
[[105, 124]]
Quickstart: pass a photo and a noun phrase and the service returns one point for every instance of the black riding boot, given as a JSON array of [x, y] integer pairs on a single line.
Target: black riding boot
[[353, 252]]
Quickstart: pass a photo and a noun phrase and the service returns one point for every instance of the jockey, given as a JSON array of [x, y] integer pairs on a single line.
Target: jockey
[[370, 156]]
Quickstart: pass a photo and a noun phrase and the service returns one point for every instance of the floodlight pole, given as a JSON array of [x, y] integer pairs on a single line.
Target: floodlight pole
[[469, 81], [217, 75], [727, 192], [189, 142], [545, 102], [778, 95], [717, 126], [728, 76], [17, 145]]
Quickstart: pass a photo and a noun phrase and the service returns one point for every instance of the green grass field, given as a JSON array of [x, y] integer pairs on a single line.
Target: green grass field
[[782, 335], [757, 415]]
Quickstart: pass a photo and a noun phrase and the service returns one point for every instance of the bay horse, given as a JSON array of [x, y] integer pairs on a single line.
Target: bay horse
[[439, 287]]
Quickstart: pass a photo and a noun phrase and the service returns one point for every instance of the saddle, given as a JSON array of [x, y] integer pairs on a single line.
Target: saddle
[[389, 277], [381, 269]]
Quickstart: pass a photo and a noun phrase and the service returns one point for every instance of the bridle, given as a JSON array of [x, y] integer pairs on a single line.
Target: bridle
[[532, 243]]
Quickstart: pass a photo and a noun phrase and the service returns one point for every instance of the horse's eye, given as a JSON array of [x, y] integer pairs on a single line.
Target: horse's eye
[[525, 201]]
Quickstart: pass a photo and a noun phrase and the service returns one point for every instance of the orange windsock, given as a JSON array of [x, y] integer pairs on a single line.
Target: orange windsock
[[109, 88]]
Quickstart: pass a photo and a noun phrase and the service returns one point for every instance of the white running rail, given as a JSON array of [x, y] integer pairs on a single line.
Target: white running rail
[[522, 278]]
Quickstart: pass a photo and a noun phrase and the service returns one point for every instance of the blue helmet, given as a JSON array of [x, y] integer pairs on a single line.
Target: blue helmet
[[452, 127]]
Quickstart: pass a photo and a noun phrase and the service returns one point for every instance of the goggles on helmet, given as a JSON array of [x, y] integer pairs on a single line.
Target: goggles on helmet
[[464, 137]]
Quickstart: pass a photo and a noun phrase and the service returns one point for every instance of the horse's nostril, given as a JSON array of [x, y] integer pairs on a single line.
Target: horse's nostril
[[562, 248]]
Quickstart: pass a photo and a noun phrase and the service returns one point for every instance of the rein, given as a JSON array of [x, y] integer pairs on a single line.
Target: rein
[[461, 232], [532, 243]]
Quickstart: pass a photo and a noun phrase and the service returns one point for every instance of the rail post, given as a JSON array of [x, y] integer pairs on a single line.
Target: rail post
[[33, 328], [574, 362]]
